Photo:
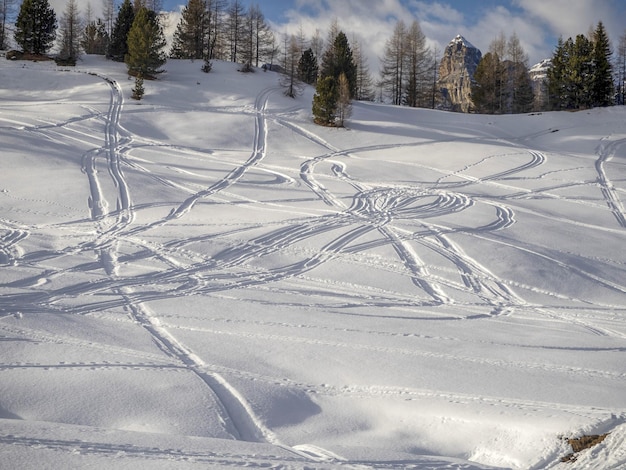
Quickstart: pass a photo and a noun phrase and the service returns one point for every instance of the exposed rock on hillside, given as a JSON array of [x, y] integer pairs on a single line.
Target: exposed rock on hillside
[[456, 72], [539, 79]]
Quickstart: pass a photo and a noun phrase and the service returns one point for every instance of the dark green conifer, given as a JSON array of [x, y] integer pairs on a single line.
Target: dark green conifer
[[138, 90], [486, 85], [325, 101], [146, 42], [602, 87], [190, 35], [307, 67], [35, 28], [118, 46], [337, 60]]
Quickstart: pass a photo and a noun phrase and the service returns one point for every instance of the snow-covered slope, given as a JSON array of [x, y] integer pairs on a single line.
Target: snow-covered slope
[[205, 278]]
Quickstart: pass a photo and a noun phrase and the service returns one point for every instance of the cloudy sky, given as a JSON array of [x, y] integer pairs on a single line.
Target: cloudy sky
[[538, 23]]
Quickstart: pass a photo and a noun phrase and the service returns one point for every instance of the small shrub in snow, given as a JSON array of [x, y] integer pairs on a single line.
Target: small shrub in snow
[[207, 66], [65, 61], [138, 90]]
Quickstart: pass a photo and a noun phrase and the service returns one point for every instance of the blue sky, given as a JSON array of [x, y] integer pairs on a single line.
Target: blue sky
[[538, 23]]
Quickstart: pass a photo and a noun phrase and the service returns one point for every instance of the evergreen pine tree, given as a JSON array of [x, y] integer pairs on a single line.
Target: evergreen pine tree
[[602, 86], [523, 95], [578, 77], [118, 46], [138, 90], [307, 67], [556, 75], [621, 69], [189, 40], [486, 86], [35, 28], [145, 45], [337, 60], [207, 66], [580, 74], [325, 101]]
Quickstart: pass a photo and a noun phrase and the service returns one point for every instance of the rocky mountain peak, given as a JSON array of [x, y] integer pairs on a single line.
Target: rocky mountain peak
[[456, 72]]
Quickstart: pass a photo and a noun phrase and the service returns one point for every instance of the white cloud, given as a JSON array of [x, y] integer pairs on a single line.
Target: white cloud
[[370, 21], [538, 23], [532, 35], [436, 10], [567, 17]]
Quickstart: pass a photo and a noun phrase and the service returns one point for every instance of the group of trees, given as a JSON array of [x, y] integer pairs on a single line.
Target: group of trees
[[581, 75], [501, 82], [215, 29], [134, 36], [36, 25], [337, 81], [7, 8], [408, 67]]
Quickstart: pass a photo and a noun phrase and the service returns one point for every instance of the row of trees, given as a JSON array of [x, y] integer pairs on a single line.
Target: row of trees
[[408, 67], [501, 82], [581, 75], [214, 29], [337, 82]]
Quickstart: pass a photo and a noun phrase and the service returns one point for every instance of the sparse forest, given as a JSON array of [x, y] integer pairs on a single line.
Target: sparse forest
[[407, 67], [584, 71], [502, 84]]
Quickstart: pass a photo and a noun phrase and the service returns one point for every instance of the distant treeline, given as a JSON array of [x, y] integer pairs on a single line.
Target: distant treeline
[[582, 72]]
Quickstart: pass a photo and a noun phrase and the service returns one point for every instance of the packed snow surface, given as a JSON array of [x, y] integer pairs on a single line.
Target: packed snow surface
[[206, 279]]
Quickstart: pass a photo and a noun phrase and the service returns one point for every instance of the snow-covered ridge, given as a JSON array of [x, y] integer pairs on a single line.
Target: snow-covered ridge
[[461, 40], [206, 279]]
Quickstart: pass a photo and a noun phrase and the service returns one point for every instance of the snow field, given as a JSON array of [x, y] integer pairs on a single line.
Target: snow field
[[205, 277]]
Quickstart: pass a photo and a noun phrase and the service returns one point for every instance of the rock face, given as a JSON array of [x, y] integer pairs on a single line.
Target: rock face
[[539, 79], [456, 72]]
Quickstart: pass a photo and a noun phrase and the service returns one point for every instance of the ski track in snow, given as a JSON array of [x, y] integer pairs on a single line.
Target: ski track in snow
[[236, 414], [347, 232], [606, 152]]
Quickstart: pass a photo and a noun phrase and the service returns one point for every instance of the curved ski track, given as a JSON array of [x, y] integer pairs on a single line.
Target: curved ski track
[[606, 152], [347, 231], [236, 414]]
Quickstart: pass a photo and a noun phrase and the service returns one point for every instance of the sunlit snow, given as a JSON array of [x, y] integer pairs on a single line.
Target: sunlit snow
[[206, 279]]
